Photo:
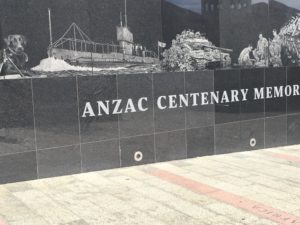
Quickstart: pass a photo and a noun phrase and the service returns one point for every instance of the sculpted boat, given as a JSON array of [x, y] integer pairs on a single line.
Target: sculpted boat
[[75, 47]]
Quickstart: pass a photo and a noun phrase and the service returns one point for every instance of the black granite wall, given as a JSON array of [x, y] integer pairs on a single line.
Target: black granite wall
[[97, 18], [232, 24], [43, 133]]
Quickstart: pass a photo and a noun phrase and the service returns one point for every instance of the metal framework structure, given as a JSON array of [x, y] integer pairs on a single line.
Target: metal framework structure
[[76, 40]]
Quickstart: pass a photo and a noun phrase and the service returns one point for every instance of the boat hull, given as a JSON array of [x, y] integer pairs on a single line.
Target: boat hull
[[100, 59]]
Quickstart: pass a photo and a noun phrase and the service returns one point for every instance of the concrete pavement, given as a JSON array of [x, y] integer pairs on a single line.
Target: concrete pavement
[[250, 188]]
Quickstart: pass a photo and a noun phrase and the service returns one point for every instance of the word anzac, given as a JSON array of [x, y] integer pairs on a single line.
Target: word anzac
[[121, 106]]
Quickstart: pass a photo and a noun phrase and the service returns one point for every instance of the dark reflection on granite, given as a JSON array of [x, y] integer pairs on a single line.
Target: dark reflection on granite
[[275, 77], [252, 134], [281, 12], [189, 14], [18, 167], [293, 78], [275, 131], [59, 161], [195, 82], [135, 87], [92, 90], [16, 117], [167, 84], [240, 136], [137, 150], [241, 22], [250, 79], [200, 142], [293, 129], [56, 112], [100, 155], [227, 80], [170, 146], [227, 138]]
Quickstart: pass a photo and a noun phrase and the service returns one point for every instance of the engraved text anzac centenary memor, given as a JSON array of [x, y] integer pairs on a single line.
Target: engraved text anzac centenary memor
[[120, 106]]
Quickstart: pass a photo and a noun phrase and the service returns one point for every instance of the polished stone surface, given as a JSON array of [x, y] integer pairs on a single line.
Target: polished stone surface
[[178, 16], [56, 112], [135, 138], [250, 79], [30, 18], [46, 114], [227, 80], [134, 87], [200, 142], [252, 134], [293, 129], [246, 135], [293, 78], [100, 155], [227, 138], [137, 150], [18, 167], [16, 117], [280, 13], [275, 77], [167, 84], [201, 115], [275, 131], [170, 146], [241, 22], [59, 161], [92, 90]]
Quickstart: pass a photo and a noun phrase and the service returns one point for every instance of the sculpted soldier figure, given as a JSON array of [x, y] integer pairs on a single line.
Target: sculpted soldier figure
[[261, 51], [275, 50], [245, 59]]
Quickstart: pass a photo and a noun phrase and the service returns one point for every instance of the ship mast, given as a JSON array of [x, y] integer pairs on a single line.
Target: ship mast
[[50, 26], [121, 20], [125, 13], [50, 32]]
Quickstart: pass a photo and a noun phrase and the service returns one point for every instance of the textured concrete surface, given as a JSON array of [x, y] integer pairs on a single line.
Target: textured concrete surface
[[250, 188]]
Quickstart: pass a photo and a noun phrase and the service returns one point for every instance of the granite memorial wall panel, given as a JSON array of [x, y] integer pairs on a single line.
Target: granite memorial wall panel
[[227, 109], [247, 22], [92, 89], [201, 115], [55, 112], [58, 38], [276, 131], [284, 22], [275, 77], [142, 81]]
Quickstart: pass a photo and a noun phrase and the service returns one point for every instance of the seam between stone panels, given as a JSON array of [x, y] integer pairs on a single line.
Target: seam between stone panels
[[17, 153], [265, 110], [240, 121], [153, 119], [286, 83], [34, 129], [119, 129], [79, 125], [185, 116], [57, 147], [214, 116], [100, 141], [291, 114]]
